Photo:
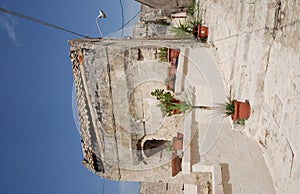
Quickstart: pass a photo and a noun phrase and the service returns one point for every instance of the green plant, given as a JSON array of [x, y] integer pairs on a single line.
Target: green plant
[[198, 18], [170, 105], [183, 30], [194, 11], [226, 108], [163, 49], [229, 107], [162, 54], [168, 145], [191, 7], [195, 21], [240, 122]]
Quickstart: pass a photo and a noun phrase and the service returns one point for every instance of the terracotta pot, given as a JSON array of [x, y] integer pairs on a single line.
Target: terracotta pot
[[178, 102], [179, 135], [242, 110], [200, 31], [176, 112], [174, 100], [177, 143], [176, 164], [173, 54]]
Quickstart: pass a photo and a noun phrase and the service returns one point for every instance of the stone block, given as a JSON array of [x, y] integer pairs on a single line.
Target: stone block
[[189, 188]]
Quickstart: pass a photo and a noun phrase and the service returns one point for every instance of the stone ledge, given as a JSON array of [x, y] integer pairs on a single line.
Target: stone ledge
[[189, 188], [186, 160], [215, 169]]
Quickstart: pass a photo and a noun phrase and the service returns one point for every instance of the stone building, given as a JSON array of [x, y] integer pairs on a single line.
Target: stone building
[[124, 136], [152, 23], [249, 54], [172, 6]]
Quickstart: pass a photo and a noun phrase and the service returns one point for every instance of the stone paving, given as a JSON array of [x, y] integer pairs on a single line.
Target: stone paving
[[259, 56], [210, 145]]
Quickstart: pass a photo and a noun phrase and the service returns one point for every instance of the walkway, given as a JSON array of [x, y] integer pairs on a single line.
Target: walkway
[[210, 144]]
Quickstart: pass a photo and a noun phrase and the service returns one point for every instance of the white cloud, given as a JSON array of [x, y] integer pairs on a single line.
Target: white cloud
[[9, 24]]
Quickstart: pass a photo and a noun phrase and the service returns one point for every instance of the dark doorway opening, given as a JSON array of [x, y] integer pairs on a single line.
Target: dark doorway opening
[[153, 146]]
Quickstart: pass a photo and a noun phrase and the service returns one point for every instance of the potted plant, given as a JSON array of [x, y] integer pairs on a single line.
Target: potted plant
[[173, 54], [183, 30], [170, 105], [237, 110], [200, 32], [193, 26]]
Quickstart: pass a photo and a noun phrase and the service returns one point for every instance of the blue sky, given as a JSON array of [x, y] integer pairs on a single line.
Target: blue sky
[[40, 145]]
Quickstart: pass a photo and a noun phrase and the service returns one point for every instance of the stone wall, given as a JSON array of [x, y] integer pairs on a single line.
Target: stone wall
[[153, 23], [171, 6], [166, 188]]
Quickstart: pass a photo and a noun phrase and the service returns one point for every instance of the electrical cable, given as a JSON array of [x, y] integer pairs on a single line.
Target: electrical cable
[[137, 13], [20, 15], [122, 11], [133, 17]]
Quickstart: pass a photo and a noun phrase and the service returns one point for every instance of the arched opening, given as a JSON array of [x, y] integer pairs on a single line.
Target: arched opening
[[153, 146]]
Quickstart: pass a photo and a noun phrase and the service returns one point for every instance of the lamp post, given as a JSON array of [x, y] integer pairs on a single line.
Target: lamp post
[[101, 15]]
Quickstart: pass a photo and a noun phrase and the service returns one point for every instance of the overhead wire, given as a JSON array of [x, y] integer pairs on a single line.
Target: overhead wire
[[23, 16], [122, 12], [136, 14], [132, 18]]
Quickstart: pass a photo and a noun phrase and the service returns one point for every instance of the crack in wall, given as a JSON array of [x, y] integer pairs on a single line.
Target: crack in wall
[[293, 155], [277, 18]]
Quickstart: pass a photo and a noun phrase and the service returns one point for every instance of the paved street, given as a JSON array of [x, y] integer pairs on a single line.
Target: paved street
[[210, 145]]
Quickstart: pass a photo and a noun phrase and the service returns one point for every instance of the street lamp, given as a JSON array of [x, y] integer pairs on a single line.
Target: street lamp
[[101, 15]]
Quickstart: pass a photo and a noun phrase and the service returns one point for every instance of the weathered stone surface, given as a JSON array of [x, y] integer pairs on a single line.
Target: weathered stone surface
[[258, 47], [171, 6], [166, 188], [117, 113]]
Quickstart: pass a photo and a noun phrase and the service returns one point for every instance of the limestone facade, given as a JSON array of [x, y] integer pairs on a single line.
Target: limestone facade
[[152, 23], [170, 6], [166, 188]]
